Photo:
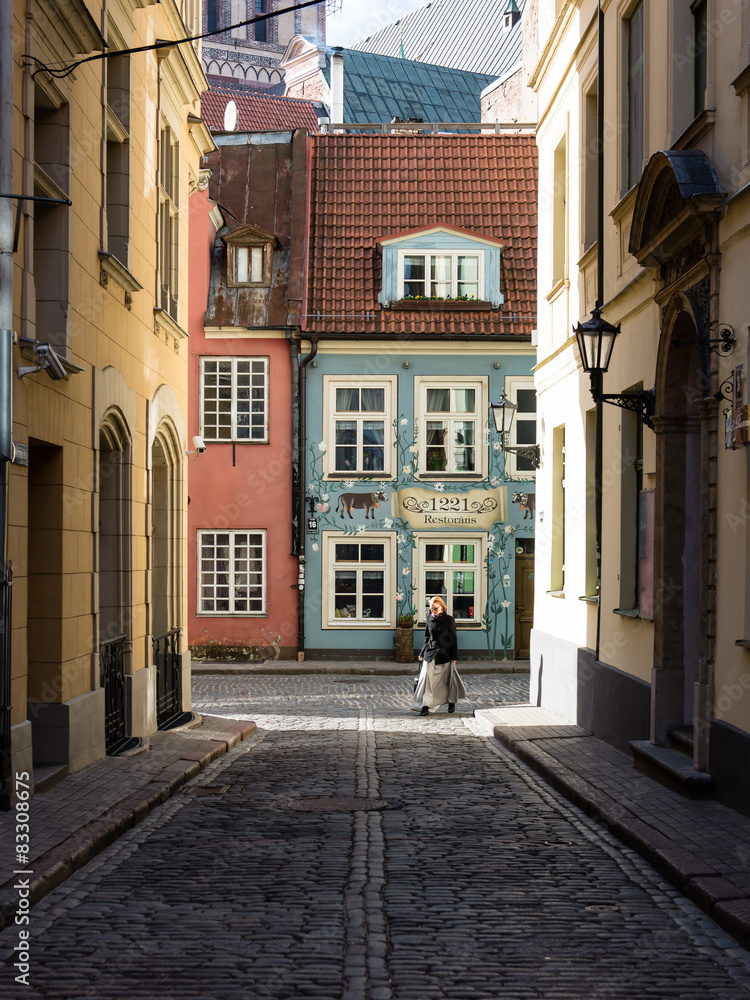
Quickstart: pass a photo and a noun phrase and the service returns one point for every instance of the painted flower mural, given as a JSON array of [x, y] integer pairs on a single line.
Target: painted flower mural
[[497, 618]]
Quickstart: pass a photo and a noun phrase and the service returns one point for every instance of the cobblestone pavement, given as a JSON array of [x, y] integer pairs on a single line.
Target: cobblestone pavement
[[351, 850]]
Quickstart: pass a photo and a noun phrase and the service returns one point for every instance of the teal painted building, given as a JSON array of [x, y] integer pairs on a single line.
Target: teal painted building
[[418, 314]]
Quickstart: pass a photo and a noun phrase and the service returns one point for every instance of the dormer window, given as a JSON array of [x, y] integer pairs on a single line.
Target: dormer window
[[252, 265], [448, 274], [249, 256]]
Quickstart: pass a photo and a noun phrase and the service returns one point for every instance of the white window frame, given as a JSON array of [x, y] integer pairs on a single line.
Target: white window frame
[[512, 384], [332, 382], [266, 260], [454, 254], [479, 541], [234, 438], [329, 566], [233, 533], [480, 385]]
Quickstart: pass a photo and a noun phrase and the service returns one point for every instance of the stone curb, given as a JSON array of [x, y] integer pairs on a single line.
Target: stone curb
[[393, 670], [717, 896], [58, 864]]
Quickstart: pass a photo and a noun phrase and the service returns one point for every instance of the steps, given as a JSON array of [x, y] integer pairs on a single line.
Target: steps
[[672, 766]]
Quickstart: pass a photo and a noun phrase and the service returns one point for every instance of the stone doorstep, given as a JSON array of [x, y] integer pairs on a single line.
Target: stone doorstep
[[671, 768], [717, 896], [59, 863]]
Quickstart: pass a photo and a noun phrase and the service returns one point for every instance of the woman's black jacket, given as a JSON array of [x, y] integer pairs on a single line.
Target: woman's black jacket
[[440, 639]]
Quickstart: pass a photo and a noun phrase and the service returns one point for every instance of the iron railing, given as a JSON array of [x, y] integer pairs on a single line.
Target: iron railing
[[168, 676], [112, 670], [6, 619]]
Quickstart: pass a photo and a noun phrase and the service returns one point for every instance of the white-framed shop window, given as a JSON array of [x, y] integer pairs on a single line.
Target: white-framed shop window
[[234, 399], [358, 416], [441, 274], [232, 573], [451, 414], [523, 433], [451, 566], [358, 585]]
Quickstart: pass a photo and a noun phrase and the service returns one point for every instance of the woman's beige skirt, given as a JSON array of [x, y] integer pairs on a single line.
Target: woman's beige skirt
[[438, 684]]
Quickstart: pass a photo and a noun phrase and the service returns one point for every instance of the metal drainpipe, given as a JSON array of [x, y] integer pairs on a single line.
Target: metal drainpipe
[[598, 444], [294, 356], [301, 534], [6, 345]]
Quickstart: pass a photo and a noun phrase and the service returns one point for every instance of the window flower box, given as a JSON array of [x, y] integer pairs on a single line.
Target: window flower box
[[442, 305]]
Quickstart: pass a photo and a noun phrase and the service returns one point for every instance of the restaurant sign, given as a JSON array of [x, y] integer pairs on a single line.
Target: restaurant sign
[[422, 508]]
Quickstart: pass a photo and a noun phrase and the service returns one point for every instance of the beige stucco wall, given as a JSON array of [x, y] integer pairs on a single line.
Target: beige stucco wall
[[128, 352], [561, 78]]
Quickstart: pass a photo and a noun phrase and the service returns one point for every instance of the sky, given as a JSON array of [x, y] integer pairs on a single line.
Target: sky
[[359, 18]]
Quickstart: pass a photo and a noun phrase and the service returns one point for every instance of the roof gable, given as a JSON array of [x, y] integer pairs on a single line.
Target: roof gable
[[248, 235], [469, 234]]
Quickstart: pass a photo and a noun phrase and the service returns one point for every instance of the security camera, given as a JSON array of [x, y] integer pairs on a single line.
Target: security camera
[[51, 363], [199, 444]]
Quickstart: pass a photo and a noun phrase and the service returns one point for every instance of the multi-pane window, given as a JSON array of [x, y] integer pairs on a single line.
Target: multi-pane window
[[359, 420], [521, 391], [359, 426], [700, 28], [636, 94], [450, 426], [260, 27], [444, 275], [358, 574], [249, 265], [449, 567], [169, 221], [234, 399], [51, 221], [232, 572], [118, 157]]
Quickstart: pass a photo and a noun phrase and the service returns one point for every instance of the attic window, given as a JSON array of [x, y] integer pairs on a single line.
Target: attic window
[[252, 265], [449, 274], [508, 21]]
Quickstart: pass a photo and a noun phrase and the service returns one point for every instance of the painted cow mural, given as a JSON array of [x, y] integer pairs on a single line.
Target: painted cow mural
[[348, 502], [527, 503]]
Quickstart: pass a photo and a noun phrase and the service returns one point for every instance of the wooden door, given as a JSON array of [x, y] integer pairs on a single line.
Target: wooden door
[[524, 604]]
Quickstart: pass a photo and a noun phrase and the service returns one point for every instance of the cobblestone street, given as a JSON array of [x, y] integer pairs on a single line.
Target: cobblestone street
[[351, 850]]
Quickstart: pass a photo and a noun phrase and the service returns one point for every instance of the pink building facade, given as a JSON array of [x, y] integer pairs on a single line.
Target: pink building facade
[[245, 292]]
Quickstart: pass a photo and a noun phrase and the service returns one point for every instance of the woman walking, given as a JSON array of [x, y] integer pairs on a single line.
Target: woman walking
[[439, 681]]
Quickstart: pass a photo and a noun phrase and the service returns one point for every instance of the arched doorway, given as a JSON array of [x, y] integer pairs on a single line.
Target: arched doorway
[[675, 231], [113, 565], [678, 564], [166, 571]]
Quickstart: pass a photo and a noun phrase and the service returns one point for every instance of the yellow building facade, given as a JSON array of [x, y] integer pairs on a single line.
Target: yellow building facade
[[655, 657], [105, 152]]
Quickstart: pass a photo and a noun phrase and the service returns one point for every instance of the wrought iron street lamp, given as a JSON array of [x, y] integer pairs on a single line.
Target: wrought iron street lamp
[[596, 338], [503, 413]]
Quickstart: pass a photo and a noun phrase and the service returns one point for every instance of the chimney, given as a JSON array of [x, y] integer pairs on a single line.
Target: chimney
[[337, 86]]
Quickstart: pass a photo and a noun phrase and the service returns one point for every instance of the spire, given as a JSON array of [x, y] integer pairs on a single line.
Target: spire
[[401, 46], [511, 14]]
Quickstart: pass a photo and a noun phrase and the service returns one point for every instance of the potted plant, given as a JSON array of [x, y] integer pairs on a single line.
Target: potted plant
[[405, 639]]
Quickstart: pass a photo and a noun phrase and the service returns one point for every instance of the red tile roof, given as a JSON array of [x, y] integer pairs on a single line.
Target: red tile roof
[[257, 112], [365, 188]]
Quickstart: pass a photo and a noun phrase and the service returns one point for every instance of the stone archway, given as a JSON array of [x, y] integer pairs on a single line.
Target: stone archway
[[679, 565], [113, 570], [675, 229]]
